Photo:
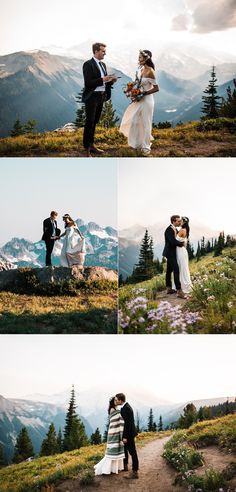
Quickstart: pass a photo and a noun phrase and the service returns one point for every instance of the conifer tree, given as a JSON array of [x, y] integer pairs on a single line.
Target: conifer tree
[[80, 113], [228, 108], [219, 244], [200, 416], [30, 126], [198, 253], [23, 448], [108, 117], [18, 129], [151, 427], [160, 424], [104, 439], [203, 248], [189, 416], [74, 433], [59, 441], [96, 437], [2, 457], [50, 443], [145, 269], [137, 423], [211, 103]]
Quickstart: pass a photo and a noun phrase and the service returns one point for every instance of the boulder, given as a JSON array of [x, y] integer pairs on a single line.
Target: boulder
[[54, 274]]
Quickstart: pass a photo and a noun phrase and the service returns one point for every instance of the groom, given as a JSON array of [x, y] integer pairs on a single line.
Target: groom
[[129, 434], [97, 90], [169, 253], [50, 235]]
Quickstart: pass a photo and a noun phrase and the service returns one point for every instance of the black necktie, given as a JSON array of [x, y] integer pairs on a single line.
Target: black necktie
[[102, 67]]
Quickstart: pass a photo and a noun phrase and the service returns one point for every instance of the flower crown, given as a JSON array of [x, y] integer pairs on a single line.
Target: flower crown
[[145, 54], [186, 219]]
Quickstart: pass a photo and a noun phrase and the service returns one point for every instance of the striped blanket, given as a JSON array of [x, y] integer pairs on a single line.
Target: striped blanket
[[115, 446]]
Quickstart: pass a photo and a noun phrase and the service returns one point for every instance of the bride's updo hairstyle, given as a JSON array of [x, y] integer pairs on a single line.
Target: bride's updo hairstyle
[[111, 404], [147, 55], [185, 225], [67, 216]]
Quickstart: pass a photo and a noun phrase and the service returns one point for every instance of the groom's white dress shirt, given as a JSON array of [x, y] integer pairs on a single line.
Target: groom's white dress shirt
[[100, 88]]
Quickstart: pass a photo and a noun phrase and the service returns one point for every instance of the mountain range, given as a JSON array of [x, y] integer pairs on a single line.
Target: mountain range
[[43, 86], [131, 237], [101, 249], [37, 411]]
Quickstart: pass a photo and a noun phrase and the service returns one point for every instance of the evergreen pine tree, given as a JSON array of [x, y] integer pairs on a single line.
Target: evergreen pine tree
[[96, 437], [228, 108], [145, 269], [151, 427], [160, 424], [74, 433], [198, 253], [208, 247], [219, 244], [190, 250], [227, 409], [30, 126], [50, 443], [108, 117], [189, 417], [18, 129], [137, 423], [80, 112], [2, 457], [211, 103], [23, 448], [104, 439], [59, 441], [203, 248], [200, 416]]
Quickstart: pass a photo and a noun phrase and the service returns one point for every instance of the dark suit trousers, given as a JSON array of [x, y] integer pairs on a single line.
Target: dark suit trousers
[[131, 449], [93, 110], [49, 247], [172, 266]]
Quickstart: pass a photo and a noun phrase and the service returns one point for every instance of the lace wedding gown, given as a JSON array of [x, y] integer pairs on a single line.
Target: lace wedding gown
[[73, 250], [183, 262], [136, 123]]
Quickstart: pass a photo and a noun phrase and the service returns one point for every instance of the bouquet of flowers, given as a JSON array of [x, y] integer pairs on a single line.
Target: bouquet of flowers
[[134, 90]]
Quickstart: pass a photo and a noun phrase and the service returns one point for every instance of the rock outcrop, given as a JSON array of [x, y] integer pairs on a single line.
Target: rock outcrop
[[53, 274]]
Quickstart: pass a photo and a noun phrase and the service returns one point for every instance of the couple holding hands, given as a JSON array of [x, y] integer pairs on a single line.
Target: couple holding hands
[[136, 123]]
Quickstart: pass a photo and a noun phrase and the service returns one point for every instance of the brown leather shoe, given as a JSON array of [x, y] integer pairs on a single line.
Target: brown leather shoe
[[96, 150], [181, 294], [171, 291], [132, 476]]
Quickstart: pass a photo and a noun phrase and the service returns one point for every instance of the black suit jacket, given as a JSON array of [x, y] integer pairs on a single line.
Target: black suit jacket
[[93, 79], [170, 243], [48, 229], [127, 414]]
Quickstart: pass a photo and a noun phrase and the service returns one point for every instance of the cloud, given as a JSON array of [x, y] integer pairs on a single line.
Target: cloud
[[206, 17]]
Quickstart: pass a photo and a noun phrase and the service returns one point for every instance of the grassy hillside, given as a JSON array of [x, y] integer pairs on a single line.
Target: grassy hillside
[[211, 307], [185, 451], [41, 472], [214, 139], [91, 309]]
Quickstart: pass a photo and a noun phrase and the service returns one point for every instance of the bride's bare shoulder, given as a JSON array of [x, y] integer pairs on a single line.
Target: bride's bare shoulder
[[150, 73]]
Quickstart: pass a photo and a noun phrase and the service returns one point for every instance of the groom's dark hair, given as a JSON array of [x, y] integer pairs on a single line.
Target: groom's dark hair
[[121, 396], [97, 47], [174, 217]]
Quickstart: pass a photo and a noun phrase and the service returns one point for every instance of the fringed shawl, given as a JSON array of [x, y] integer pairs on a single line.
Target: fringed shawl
[[115, 446]]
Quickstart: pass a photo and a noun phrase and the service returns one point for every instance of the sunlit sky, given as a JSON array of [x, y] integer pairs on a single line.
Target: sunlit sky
[[176, 368], [203, 189], [28, 25], [85, 188]]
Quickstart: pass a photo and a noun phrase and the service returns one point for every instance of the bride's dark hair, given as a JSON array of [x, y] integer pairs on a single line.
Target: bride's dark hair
[[148, 58], [111, 404], [185, 225], [67, 216]]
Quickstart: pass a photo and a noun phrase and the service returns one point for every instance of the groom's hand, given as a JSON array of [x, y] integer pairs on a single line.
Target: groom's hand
[[108, 78], [125, 441]]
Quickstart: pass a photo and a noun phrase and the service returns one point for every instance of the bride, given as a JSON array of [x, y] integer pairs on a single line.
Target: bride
[[113, 461], [182, 256], [73, 250], [136, 123]]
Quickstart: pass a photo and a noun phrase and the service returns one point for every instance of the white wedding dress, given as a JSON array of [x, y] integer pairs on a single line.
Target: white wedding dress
[[136, 123], [73, 250], [183, 263]]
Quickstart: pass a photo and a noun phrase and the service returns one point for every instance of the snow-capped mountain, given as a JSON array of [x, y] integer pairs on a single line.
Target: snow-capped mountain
[[36, 416], [101, 248]]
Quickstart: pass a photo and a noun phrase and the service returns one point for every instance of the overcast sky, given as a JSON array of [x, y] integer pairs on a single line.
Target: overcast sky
[[28, 25], [176, 368], [84, 188], [203, 189]]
